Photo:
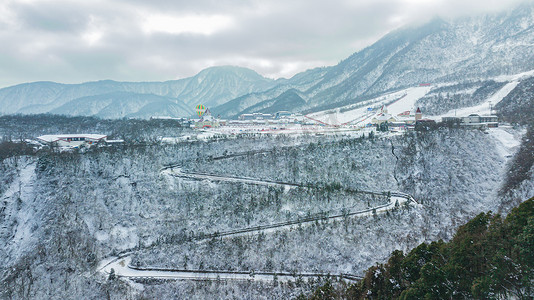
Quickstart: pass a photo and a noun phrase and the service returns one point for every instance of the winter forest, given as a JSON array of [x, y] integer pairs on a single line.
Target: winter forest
[[402, 171], [77, 208]]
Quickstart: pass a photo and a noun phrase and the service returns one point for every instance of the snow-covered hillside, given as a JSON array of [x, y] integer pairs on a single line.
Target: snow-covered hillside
[[441, 51], [96, 204], [226, 213], [457, 51], [211, 87]]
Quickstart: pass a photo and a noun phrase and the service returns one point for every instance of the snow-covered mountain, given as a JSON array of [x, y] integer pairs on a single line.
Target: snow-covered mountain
[[62, 214], [439, 51], [124, 104], [212, 86]]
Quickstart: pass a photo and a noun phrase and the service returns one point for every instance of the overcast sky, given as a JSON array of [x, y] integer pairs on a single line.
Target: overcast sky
[[74, 41]]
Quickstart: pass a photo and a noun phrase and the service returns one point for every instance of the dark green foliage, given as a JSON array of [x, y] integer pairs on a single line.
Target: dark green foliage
[[488, 258], [384, 127], [325, 292]]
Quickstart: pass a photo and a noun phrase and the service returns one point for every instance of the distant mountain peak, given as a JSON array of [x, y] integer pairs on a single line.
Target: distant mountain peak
[[437, 51], [211, 87]]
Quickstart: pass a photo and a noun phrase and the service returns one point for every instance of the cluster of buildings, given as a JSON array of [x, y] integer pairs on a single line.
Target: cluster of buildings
[[405, 120], [411, 119], [383, 121], [281, 117], [473, 121], [261, 116], [208, 121]]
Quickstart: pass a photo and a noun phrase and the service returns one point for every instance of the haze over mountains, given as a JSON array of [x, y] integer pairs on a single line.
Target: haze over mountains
[[439, 51], [124, 99]]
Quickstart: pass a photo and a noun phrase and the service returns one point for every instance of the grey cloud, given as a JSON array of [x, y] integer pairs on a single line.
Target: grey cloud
[[47, 41], [48, 17]]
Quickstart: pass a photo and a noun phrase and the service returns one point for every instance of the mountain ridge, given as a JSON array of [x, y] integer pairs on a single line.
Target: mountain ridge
[[45, 96], [438, 51]]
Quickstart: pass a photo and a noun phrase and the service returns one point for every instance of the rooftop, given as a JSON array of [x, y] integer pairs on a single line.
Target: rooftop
[[55, 137]]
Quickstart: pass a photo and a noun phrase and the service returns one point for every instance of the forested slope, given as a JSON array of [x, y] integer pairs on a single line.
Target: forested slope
[[489, 257], [87, 206]]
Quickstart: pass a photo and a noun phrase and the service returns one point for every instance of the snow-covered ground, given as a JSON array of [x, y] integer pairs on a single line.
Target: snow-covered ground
[[178, 172], [484, 107], [20, 210], [396, 103], [507, 140], [122, 268], [396, 200]]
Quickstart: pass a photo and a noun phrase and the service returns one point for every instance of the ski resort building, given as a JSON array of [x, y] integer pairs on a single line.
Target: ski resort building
[[207, 121], [72, 140], [383, 118], [406, 118], [283, 115], [255, 116], [489, 121], [473, 121], [418, 114]]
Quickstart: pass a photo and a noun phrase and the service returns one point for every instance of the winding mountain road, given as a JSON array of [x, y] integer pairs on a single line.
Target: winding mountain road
[[397, 199], [122, 268]]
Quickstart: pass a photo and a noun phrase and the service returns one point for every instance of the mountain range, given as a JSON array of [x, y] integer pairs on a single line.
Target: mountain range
[[439, 51]]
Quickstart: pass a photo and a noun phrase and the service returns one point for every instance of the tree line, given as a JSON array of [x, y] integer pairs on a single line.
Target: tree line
[[488, 258]]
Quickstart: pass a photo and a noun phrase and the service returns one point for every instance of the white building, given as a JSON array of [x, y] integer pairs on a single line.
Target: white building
[[475, 120], [72, 140]]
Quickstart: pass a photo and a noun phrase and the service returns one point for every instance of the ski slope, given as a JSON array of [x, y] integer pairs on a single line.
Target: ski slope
[[408, 101], [358, 113], [484, 107]]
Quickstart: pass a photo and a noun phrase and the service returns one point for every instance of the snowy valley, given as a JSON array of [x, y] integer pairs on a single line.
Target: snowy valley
[[373, 155]]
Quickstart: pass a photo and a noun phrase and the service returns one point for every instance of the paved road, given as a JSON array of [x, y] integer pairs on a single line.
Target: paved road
[[122, 268], [395, 200]]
